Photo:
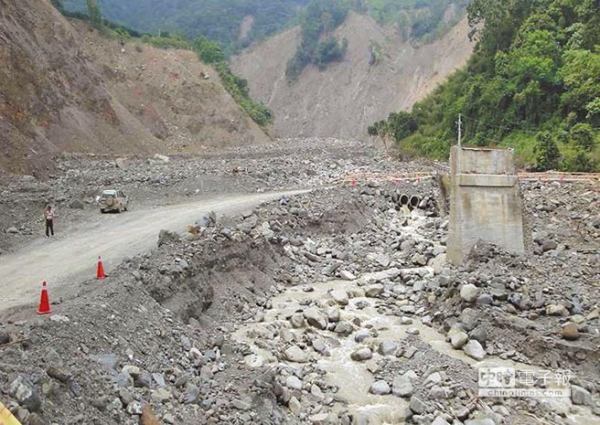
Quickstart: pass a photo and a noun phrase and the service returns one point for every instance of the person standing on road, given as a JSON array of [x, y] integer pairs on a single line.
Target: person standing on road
[[49, 220]]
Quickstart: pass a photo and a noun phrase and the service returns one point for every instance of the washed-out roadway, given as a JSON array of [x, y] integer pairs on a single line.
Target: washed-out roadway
[[69, 258]]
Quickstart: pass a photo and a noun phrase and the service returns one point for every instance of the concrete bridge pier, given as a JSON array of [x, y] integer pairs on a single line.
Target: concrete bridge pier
[[485, 202]]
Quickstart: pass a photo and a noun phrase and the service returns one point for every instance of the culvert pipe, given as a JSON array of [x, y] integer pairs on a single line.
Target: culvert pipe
[[414, 201], [404, 199]]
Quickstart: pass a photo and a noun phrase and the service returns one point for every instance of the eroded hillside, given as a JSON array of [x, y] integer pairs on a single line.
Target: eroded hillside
[[65, 89], [347, 97]]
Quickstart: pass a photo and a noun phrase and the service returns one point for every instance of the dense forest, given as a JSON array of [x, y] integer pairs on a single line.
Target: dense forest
[[217, 20], [318, 46], [222, 20], [419, 20], [422, 20], [533, 84]]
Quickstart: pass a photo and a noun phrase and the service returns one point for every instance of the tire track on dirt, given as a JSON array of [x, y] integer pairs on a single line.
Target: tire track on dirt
[[70, 258]]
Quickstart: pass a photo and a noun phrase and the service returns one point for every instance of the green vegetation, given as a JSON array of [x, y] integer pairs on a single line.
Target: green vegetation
[[94, 13], [221, 20], [376, 53], [166, 40], [318, 46], [424, 20], [218, 20], [533, 84], [208, 51], [418, 19]]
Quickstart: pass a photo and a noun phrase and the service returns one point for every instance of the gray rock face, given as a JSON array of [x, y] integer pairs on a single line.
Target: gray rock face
[[380, 388], [191, 394], [77, 205], [470, 319], [248, 224], [114, 405], [4, 337], [402, 386], [556, 310], [295, 406], [371, 278], [134, 408], [439, 393], [295, 354], [160, 395], [109, 361], [333, 314], [346, 275], [344, 328], [293, 383], [297, 321], [406, 321], [340, 296], [417, 405], [159, 379], [167, 236], [480, 333], [387, 347], [315, 318], [485, 299], [458, 338], [362, 354], [548, 245], [474, 350], [483, 421], [374, 291], [440, 421], [362, 335], [323, 419], [580, 396], [469, 293], [419, 260], [319, 346], [122, 163], [383, 260], [26, 395], [408, 309]]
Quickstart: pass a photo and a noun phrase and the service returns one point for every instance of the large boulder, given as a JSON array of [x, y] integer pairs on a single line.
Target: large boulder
[[26, 394], [315, 318], [167, 236], [402, 386], [77, 204], [295, 354], [474, 350]]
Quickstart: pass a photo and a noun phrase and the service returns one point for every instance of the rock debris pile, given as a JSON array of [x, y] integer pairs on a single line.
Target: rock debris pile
[[330, 308]]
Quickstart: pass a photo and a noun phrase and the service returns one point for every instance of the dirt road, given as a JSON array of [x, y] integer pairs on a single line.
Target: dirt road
[[71, 256]]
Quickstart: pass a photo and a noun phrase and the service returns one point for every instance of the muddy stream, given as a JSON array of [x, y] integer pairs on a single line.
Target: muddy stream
[[352, 378]]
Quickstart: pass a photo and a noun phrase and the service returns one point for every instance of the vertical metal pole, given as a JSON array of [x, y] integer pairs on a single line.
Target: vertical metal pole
[[459, 129]]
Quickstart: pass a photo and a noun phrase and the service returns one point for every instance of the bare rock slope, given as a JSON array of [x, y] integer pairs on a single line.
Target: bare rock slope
[[347, 97], [64, 89]]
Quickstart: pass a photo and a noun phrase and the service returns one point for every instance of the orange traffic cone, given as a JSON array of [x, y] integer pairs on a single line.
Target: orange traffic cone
[[100, 274], [44, 307]]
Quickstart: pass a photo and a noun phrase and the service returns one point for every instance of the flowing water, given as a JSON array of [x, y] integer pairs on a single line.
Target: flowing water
[[352, 378]]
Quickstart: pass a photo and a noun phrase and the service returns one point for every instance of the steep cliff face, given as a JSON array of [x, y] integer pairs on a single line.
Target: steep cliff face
[[347, 97], [180, 100], [65, 89]]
